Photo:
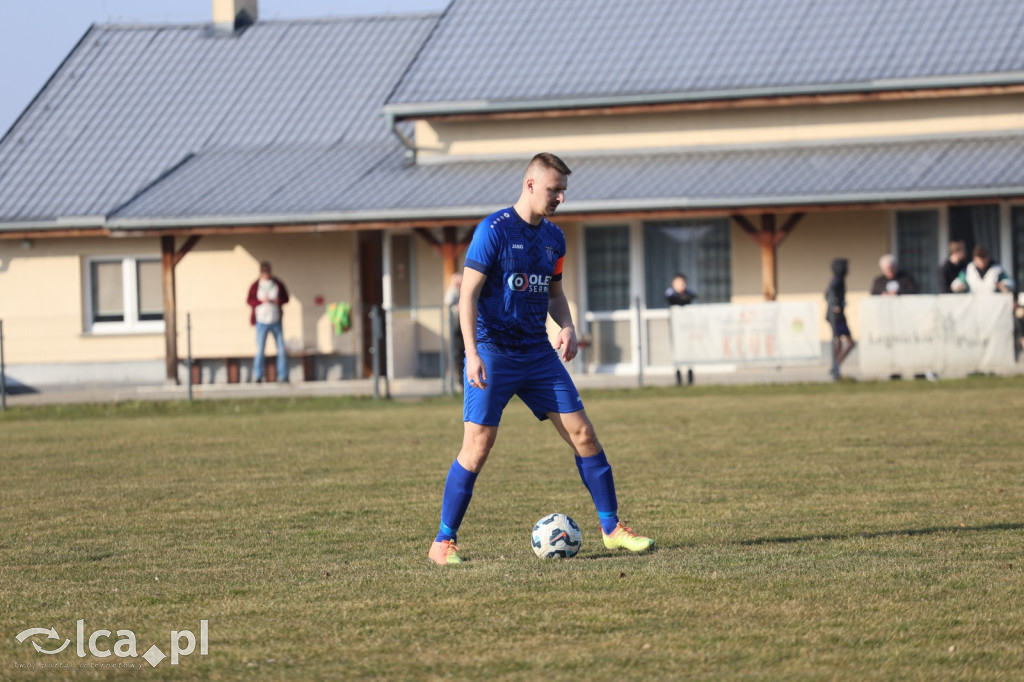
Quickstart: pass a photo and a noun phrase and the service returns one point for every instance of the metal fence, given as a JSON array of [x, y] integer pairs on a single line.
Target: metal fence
[[3, 371], [412, 350]]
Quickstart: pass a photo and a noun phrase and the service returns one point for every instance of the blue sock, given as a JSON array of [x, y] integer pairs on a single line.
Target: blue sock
[[458, 491], [579, 468], [597, 476]]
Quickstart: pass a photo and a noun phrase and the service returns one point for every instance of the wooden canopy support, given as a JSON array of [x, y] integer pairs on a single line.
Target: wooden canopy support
[[449, 247], [769, 237], [169, 258], [186, 247]]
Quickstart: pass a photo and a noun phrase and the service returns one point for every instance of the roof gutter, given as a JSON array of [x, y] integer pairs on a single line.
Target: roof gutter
[[401, 111], [135, 226], [723, 203]]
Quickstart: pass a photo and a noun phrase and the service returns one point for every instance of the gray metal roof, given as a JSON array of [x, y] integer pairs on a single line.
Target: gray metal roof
[[372, 182], [489, 55], [131, 103]]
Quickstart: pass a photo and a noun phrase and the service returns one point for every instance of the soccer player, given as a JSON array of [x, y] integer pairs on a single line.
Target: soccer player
[[511, 283]]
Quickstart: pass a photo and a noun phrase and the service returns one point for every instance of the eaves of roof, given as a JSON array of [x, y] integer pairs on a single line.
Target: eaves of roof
[[471, 214], [413, 110]]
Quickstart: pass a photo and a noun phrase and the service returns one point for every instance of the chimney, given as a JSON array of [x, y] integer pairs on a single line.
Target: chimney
[[231, 16]]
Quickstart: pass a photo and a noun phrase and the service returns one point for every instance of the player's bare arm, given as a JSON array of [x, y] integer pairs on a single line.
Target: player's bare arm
[[558, 309], [469, 295]]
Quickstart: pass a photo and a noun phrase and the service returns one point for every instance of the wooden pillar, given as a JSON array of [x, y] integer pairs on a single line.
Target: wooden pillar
[[769, 269], [170, 308], [449, 254], [449, 248], [769, 237]]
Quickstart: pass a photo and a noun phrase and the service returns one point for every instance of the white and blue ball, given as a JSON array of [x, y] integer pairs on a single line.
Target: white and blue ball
[[556, 536]]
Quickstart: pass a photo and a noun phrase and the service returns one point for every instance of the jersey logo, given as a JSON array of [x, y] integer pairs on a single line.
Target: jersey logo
[[551, 254], [517, 246], [520, 281]]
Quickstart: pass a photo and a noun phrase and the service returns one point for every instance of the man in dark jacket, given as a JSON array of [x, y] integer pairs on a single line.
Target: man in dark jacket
[[835, 297], [954, 265], [892, 281]]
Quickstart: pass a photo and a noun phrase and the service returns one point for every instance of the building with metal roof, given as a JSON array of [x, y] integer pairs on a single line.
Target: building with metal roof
[[604, 53], [358, 153]]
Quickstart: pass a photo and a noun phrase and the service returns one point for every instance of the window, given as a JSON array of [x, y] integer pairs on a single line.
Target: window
[[124, 294], [976, 226], [401, 270], [700, 249], [917, 247], [607, 268]]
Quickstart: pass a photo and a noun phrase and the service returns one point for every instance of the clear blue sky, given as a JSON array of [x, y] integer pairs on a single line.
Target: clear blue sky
[[36, 35]]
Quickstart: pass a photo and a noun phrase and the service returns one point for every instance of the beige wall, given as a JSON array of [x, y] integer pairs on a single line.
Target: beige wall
[[804, 259], [430, 287], [41, 303], [41, 296], [214, 278], [769, 125]]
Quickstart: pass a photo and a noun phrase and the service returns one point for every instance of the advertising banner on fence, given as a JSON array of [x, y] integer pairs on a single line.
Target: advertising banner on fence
[[758, 332], [948, 334]]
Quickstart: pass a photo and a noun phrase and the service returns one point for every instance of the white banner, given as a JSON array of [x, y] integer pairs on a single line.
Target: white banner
[[947, 334], [758, 332]]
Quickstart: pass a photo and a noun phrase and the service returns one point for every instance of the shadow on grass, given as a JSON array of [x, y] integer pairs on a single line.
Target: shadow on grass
[[910, 532], [617, 554]]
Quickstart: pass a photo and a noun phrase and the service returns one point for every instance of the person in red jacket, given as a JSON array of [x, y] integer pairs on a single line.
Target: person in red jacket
[[266, 296]]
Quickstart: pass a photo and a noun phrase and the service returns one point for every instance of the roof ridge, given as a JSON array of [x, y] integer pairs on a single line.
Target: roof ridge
[[189, 25]]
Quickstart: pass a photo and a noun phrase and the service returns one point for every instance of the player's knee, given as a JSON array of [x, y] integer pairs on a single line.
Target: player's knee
[[471, 460], [584, 437], [476, 445]]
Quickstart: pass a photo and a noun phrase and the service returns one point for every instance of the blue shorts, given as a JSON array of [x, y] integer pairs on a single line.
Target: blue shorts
[[539, 379]]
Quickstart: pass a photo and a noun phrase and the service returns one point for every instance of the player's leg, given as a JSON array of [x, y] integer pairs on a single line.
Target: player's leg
[[565, 436], [481, 415], [261, 342], [591, 462], [477, 441], [597, 476], [550, 394]]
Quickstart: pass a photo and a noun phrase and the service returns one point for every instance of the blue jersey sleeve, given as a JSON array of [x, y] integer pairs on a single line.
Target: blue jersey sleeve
[[484, 248]]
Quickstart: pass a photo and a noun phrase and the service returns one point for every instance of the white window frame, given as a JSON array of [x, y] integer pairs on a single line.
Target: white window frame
[[131, 323], [636, 271]]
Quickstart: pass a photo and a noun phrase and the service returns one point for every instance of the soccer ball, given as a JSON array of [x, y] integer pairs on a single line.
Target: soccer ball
[[556, 535]]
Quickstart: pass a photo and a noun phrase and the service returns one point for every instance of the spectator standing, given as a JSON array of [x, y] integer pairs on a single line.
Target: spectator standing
[[835, 296], [266, 296], [954, 265], [892, 281], [678, 294], [982, 276]]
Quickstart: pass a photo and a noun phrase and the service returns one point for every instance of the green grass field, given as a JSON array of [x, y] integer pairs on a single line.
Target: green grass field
[[857, 531]]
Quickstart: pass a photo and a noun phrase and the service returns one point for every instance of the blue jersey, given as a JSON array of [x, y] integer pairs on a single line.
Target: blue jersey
[[520, 261]]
